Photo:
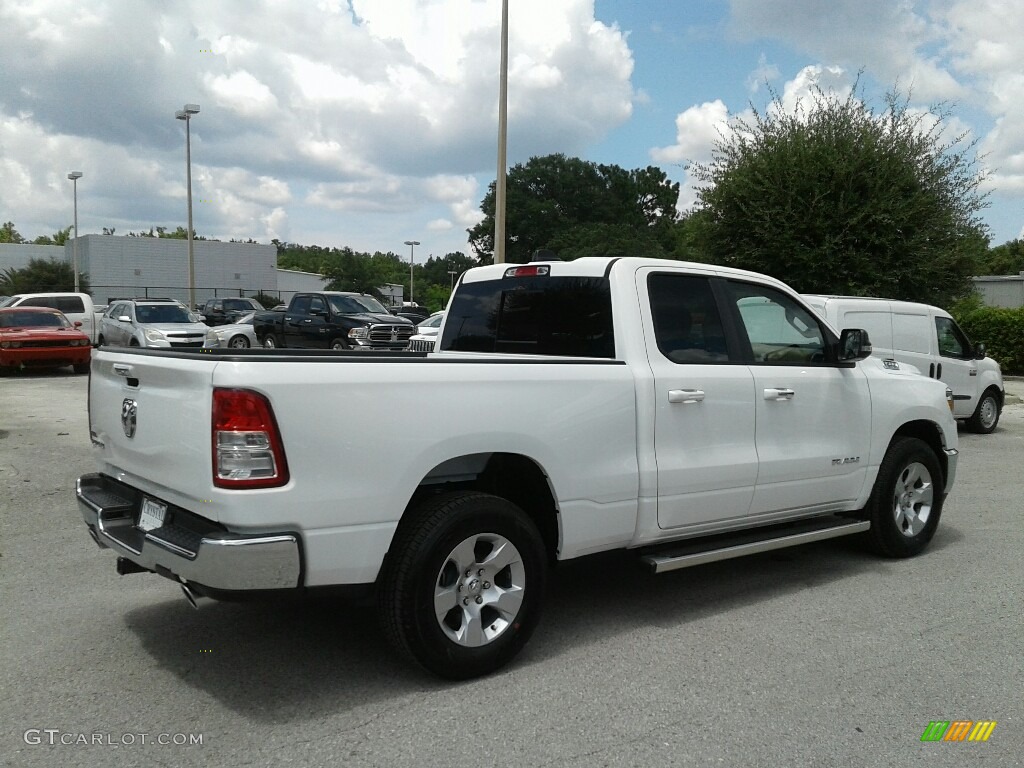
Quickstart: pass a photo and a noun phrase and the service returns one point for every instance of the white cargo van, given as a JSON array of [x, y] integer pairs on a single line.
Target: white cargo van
[[929, 339], [77, 307]]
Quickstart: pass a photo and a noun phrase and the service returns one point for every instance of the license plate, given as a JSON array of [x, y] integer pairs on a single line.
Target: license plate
[[152, 514]]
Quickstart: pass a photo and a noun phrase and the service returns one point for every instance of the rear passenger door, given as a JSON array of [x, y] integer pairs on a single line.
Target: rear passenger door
[[704, 402], [813, 418]]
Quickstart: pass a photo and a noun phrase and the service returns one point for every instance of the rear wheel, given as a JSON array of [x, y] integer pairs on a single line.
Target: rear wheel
[[906, 502], [461, 589], [80, 367], [986, 415]]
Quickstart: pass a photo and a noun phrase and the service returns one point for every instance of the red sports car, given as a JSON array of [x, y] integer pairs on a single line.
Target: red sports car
[[36, 336]]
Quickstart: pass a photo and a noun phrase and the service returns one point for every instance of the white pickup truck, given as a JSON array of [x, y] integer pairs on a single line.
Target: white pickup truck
[[687, 412]]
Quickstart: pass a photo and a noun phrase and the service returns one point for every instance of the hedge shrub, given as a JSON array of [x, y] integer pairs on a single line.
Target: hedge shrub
[[1001, 331]]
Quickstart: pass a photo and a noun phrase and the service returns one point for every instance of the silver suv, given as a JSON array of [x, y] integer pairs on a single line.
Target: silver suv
[[154, 323]]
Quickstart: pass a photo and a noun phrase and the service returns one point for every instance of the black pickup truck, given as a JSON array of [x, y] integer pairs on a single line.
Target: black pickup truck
[[332, 320]]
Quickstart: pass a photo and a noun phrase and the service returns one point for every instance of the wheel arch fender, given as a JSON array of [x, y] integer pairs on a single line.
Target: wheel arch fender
[[930, 433], [515, 477]]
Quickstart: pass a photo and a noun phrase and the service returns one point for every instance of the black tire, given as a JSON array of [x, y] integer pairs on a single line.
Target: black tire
[[81, 367], [506, 579], [100, 341], [238, 342], [338, 344], [270, 342], [134, 342], [906, 502], [986, 415]]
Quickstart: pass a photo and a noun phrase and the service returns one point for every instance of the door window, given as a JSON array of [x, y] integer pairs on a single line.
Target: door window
[[952, 341], [779, 329], [687, 323]]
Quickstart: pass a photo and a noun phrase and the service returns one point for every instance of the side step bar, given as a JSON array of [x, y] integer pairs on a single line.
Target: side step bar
[[727, 546]]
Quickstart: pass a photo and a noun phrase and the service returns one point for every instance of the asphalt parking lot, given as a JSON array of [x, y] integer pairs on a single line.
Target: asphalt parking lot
[[817, 656]]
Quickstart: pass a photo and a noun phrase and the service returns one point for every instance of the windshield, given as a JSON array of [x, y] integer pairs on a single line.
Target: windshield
[[432, 322], [5, 300], [238, 304], [356, 305], [33, 320], [162, 313]]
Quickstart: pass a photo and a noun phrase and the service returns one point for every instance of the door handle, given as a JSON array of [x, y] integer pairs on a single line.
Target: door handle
[[938, 372], [685, 395], [779, 393]]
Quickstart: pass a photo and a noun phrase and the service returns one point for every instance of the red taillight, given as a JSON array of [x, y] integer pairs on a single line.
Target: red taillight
[[527, 271], [247, 448]]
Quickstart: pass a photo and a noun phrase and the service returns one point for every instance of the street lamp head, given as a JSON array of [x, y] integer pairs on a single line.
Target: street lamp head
[[187, 112], [412, 242], [74, 175]]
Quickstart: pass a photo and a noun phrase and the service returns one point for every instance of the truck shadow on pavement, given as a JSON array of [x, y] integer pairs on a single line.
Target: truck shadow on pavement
[[295, 660]]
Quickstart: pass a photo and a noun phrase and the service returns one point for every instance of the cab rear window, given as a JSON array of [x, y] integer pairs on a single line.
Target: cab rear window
[[537, 315]]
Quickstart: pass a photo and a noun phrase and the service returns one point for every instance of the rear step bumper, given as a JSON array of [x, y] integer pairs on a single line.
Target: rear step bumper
[[691, 553], [187, 548]]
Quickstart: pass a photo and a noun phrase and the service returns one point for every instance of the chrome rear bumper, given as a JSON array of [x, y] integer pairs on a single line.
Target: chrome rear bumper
[[187, 548]]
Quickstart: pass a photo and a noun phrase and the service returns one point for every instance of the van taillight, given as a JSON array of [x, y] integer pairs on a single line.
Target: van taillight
[[247, 448]]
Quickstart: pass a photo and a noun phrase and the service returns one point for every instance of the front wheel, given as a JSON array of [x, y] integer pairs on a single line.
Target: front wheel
[[461, 589], [238, 342], [338, 344], [986, 415], [906, 502], [270, 342], [80, 367]]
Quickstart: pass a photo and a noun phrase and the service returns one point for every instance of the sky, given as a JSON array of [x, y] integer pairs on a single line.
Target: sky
[[368, 123]]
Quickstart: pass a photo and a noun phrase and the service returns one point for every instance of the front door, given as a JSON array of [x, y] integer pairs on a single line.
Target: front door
[[813, 417], [959, 369]]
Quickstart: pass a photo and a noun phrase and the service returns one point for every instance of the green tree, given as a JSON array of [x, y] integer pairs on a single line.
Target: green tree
[[1005, 259], [57, 238], [838, 198], [347, 270], [573, 207], [8, 234], [42, 276]]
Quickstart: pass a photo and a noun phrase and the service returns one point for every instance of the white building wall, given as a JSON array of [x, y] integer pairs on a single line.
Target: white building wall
[[1001, 291], [120, 267]]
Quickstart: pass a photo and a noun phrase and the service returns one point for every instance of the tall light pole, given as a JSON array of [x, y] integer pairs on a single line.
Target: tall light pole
[[412, 254], [499, 184], [453, 273], [75, 176], [186, 115]]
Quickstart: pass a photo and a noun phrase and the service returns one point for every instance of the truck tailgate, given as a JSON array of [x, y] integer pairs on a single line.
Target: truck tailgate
[[150, 417]]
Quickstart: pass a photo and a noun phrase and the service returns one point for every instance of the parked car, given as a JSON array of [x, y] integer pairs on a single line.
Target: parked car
[[239, 335], [226, 310], [156, 323], [333, 320], [40, 337], [426, 333], [929, 339], [76, 307]]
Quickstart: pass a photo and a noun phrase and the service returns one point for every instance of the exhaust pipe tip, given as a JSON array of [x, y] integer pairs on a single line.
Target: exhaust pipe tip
[[197, 601]]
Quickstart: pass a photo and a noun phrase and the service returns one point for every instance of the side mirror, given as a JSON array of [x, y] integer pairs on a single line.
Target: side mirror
[[979, 351], [854, 344], [77, 323], [124, 319]]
